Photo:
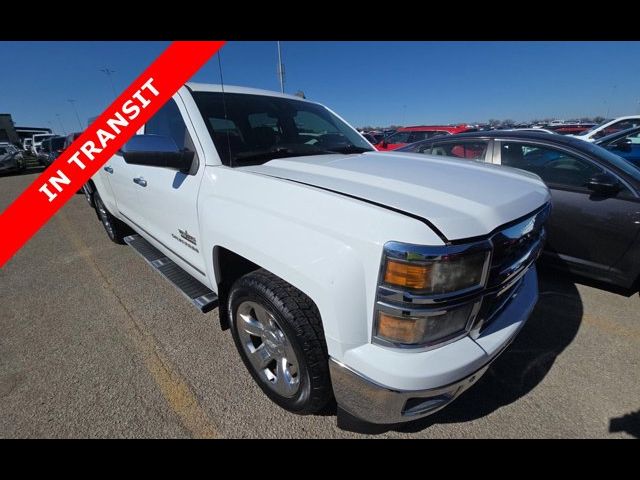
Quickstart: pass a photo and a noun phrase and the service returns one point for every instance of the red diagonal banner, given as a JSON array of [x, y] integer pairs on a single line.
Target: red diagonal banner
[[119, 122]]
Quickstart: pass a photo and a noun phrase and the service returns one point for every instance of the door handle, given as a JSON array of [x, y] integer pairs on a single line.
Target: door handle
[[140, 181], [108, 169]]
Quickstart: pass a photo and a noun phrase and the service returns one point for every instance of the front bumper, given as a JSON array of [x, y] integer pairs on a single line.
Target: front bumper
[[446, 371]]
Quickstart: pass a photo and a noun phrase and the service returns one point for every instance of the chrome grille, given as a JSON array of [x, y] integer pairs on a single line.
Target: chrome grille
[[514, 249]]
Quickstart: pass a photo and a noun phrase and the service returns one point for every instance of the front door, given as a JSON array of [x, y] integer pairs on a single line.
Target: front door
[[587, 231], [168, 198]]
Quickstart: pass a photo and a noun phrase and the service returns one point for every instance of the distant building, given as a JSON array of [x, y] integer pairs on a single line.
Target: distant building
[[7, 129], [15, 135]]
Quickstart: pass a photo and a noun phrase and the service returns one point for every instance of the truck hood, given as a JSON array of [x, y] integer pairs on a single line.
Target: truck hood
[[461, 198]]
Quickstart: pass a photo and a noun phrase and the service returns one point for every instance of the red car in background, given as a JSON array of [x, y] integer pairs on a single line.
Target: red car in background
[[571, 128], [407, 135]]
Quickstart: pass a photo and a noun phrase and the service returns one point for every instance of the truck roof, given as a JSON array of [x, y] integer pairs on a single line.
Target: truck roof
[[212, 87]]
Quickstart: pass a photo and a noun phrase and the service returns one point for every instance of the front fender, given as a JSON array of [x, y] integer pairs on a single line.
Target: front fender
[[326, 245]]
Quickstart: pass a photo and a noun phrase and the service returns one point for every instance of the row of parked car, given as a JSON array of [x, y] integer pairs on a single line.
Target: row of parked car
[[44, 147], [594, 179], [398, 138]]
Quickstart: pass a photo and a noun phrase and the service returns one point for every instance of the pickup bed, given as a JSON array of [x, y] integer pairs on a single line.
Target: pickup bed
[[387, 281]]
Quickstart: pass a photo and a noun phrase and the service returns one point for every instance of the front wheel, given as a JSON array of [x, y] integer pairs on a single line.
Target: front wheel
[[278, 332]]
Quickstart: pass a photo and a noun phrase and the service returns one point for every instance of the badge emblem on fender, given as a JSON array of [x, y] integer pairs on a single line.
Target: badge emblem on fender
[[189, 238]]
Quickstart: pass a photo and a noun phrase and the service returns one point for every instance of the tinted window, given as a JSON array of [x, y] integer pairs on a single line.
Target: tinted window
[[3, 151], [417, 136], [611, 158], [57, 143], [251, 129], [469, 150], [634, 138], [399, 137], [169, 123], [617, 127], [555, 167]]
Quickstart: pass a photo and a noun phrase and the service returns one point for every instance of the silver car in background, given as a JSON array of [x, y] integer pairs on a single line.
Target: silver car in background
[[11, 159]]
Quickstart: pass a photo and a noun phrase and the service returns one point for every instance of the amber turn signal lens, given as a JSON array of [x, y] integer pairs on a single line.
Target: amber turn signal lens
[[407, 275], [396, 329]]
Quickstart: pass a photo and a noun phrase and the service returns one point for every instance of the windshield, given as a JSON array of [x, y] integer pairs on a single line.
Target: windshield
[[596, 126], [252, 129]]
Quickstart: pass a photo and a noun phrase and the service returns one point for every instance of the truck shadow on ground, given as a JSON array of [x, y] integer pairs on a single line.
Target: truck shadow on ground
[[551, 328], [629, 423]]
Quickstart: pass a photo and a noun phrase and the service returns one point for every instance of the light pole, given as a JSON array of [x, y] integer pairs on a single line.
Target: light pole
[[108, 72], [280, 69], [73, 103], [61, 125]]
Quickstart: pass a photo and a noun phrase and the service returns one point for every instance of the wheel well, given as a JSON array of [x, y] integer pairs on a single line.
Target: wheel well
[[228, 267]]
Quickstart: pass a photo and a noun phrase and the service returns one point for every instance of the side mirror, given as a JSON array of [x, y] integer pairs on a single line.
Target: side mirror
[[604, 184], [156, 151], [624, 145]]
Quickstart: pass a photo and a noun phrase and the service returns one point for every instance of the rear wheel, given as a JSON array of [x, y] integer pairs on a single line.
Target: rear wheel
[[278, 332], [116, 229]]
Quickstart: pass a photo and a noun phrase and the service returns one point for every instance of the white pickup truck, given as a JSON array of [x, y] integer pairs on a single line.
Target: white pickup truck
[[390, 281]]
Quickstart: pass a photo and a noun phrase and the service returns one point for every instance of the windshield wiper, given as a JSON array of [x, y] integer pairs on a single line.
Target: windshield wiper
[[349, 149], [279, 152]]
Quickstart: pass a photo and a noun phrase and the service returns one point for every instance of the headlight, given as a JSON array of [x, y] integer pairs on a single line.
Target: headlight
[[421, 292], [446, 274], [429, 329]]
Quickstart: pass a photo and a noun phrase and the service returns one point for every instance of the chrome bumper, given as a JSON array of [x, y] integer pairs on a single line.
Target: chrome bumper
[[374, 403]]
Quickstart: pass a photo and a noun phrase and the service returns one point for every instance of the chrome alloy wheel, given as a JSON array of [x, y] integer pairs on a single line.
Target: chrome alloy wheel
[[104, 217], [269, 350]]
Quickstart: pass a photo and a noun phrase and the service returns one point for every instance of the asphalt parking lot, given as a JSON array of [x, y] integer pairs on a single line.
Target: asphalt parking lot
[[93, 343]]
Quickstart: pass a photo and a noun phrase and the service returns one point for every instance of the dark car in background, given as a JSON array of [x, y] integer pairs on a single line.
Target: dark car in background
[[594, 227], [625, 143], [50, 150]]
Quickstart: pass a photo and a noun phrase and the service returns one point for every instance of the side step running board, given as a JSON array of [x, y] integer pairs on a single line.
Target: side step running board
[[201, 296]]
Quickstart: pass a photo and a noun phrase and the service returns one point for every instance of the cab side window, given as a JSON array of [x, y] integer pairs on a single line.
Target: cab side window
[[467, 150], [168, 122], [556, 167]]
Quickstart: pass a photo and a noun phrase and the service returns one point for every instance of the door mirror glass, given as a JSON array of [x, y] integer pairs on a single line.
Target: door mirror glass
[[156, 151], [624, 144], [604, 184]]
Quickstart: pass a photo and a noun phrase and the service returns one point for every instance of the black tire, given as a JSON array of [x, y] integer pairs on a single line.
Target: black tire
[[88, 195], [299, 320], [116, 229]]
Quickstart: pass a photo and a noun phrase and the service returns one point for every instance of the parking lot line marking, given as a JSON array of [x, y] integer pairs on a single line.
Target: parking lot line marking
[[173, 387]]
